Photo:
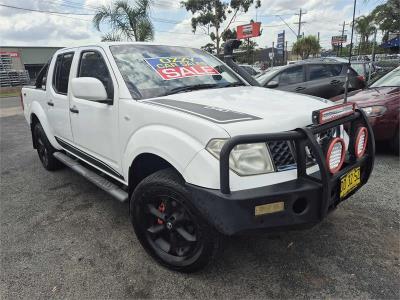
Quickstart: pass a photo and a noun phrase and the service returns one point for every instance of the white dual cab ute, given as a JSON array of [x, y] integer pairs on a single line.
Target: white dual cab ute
[[195, 147]]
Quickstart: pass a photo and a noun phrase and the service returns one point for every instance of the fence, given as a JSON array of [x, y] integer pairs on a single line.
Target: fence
[[10, 77]]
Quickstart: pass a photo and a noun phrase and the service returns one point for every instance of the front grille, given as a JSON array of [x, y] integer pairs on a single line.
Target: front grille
[[283, 153]]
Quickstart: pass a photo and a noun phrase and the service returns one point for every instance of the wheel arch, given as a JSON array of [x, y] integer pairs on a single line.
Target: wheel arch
[[37, 115], [144, 165], [168, 146]]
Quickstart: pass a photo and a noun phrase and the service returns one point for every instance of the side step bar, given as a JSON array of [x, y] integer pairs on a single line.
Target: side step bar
[[101, 182]]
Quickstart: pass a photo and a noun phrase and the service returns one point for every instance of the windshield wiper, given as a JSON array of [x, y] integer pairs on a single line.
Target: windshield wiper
[[189, 88], [233, 84]]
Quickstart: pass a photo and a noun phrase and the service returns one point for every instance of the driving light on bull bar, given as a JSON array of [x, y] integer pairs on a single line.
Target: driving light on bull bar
[[332, 113], [245, 159], [361, 142], [335, 155]]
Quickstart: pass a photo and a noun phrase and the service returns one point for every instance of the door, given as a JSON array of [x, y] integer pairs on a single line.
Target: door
[[57, 103], [325, 80], [291, 79], [94, 124]]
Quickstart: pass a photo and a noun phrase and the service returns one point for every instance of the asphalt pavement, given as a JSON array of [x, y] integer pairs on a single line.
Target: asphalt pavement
[[62, 237]]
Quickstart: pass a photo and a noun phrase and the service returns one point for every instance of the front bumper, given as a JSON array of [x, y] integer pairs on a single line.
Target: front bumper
[[303, 202]]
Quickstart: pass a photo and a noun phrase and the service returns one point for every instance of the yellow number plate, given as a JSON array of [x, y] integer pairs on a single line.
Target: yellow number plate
[[269, 208], [350, 181]]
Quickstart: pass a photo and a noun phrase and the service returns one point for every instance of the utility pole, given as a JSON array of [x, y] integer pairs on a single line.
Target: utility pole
[[273, 54], [318, 55], [301, 13], [286, 54]]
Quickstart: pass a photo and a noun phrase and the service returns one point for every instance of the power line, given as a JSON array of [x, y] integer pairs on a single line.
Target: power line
[[155, 19], [66, 14], [69, 4], [43, 11]]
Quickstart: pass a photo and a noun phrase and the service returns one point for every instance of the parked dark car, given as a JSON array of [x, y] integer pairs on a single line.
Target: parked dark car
[[364, 68], [381, 103], [251, 70], [322, 79]]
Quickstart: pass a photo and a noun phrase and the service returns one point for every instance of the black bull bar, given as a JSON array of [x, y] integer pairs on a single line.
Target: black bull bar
[[303, 137]]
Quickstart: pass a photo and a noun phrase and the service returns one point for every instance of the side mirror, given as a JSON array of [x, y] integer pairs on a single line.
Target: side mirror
[[272, 84], [89, 88]]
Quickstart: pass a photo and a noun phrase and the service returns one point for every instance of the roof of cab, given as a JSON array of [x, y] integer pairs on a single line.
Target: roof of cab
[[108, 44]]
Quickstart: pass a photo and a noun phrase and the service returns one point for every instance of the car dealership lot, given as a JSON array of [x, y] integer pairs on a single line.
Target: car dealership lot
[[63, 237]]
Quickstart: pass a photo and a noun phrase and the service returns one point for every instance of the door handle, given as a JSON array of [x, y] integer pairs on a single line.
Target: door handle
[[49, 103], [335, 82], [299, 88], [74, 110]]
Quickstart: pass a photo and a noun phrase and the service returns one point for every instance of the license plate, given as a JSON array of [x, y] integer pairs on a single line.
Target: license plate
[[349, 182]]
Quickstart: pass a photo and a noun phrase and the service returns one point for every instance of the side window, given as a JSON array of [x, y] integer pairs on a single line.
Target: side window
[[320, 71], [335, 69], [92, 64], [62, 69], [290, 76]]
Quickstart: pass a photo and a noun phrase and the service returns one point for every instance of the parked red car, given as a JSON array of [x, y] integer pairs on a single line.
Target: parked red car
[[381, 103]]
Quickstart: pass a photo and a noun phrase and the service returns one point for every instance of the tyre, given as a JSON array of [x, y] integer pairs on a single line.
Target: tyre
[[167, 225], [45, 150]]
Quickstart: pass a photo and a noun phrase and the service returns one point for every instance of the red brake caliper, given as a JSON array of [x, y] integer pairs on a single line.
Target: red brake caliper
[[161, 208]]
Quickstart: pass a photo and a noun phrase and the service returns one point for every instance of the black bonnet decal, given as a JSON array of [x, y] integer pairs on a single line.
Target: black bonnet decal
[[211, 113]]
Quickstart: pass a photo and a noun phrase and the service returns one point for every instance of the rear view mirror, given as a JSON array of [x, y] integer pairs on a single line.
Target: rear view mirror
[[272, 84], [89, 88]]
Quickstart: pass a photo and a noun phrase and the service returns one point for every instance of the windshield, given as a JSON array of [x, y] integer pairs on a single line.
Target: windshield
[[359, 68], [390, 79], [152, 71]]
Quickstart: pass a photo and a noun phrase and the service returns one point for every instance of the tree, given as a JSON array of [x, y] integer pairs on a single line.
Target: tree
[[209, 15], [248, 46], [306, 46], [387, 16], [228, 34], [127, 22], [364, 26], [209, 47]]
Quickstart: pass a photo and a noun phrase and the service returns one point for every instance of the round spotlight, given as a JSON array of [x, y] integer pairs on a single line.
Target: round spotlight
[[361, 142], [335, 155]]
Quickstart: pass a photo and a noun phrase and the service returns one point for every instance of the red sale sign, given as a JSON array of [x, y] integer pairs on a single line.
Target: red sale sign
[[180, 67], [248, 30]]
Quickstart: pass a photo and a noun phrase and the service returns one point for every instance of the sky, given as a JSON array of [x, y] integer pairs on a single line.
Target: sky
[[171, 21]]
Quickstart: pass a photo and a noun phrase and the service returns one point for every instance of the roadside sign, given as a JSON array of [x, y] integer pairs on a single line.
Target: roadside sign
[[339, 39], [10, 53], [280, 45], [248, 30]]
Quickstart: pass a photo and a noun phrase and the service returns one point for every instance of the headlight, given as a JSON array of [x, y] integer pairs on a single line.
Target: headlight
[[245, 159], [374, 111]]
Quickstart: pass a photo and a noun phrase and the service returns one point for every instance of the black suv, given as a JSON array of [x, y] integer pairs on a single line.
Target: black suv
[[322, 79]]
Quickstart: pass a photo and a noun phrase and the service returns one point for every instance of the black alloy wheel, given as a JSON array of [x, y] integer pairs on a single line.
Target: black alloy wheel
[[44, 149], [170, 228], [167, 225]]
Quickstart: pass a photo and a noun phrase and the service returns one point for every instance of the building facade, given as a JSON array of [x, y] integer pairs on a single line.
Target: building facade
[[20, 65]]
